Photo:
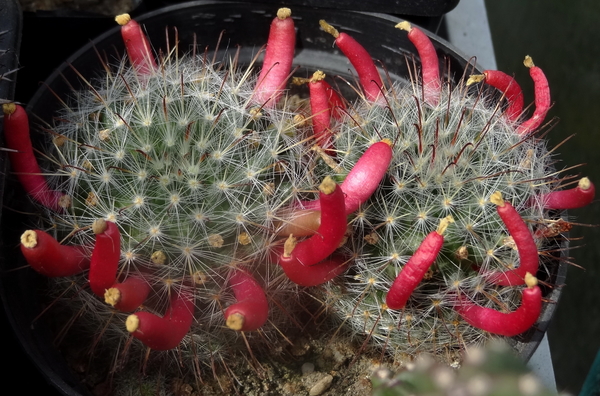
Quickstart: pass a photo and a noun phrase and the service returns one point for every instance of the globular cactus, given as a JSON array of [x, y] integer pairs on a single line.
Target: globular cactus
[[194, 201]]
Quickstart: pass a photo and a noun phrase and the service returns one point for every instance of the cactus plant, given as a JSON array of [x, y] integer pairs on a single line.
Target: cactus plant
[[487, 370], [206, 200]]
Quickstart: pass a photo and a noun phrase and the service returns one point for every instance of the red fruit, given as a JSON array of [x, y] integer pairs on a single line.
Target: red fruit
[[278, 60], [542, 98], [415, 268], [321, 110], [23, 161], [328, 236], [364, 178], [368, 75], [430, 69], [507, 324], [316, 274], [573, 198], [48, 257], [105, 257], [128, 295], [251, 310], [508, 86], [167, 332], [137, 45], [528, 253]]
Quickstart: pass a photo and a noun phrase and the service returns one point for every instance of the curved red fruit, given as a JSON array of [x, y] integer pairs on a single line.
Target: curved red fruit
[[137, 45], [430, 69], [328, 236], [167, 332], [364, 178], [105, 256], [415, 268], [251, 309], [22, 159], [127, 295], [528, 253], [316, 274], [278, 59], [368, 75], [48, 257], [573, 198], [507, 324], [542, 98], [508, 86]]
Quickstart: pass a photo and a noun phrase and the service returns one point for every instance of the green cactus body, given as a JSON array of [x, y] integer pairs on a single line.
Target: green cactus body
[[195, 179], [447, 161]]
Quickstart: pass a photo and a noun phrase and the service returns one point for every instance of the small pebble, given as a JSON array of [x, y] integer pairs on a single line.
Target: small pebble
[[321, 386], [308, 368]]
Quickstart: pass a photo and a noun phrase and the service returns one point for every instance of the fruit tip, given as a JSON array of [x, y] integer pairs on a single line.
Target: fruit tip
[[444, 223], [112, 296], [328, 28], [496, 198], [132, 323], [235, 321], [9, 108], [530, 280], [475, 78], [29, 239], [317, 76], [289, 245], [584, 183], [528, 62], [123, 19], [284, 13], [387, 141], [404, 25], [327, 186], [99, 226]]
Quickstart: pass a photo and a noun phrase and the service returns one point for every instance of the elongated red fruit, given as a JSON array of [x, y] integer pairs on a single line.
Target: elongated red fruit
[[541, 91], [137, 45], [572, 198], [430, 69], [507, 324], [48, 257], [320, 109], [365, 176], [328, 236], [105, 256], [368, 75], [251, 310], [316, 274], [23, 161], [128, 295], [508, 86], [415, 268], [278, 59], [167, 332], [528, 253]]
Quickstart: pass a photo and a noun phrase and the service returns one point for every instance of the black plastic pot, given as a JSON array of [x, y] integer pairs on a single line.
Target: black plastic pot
[[244, 25]]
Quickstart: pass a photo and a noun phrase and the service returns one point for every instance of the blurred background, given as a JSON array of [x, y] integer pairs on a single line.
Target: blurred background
[[562, 37]]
